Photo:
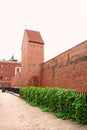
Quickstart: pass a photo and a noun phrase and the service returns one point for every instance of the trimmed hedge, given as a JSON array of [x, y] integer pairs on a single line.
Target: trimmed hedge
[[64, 103]]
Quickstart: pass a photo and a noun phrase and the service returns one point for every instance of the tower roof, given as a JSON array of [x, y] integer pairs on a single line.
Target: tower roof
[[34, 36]]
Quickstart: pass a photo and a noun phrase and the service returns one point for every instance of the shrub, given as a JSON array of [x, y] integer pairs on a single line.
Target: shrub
[[64, 103]]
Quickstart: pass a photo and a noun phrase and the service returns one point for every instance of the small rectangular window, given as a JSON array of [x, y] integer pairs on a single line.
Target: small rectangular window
[[18, 70], [33, 64]]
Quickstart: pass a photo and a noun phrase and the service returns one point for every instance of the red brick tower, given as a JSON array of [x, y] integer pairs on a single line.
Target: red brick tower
[[32, 57]]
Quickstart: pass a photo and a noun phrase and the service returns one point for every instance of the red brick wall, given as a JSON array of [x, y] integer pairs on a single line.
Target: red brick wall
[[25, 60], [67, 70], [31, 63], [7, 71], [16, 81], [32, 59]]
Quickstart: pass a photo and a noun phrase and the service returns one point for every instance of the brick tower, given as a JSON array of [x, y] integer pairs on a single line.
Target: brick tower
[[32, 58]]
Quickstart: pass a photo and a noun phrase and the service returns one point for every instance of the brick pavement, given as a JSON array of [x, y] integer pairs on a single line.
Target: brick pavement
[[16, 114]]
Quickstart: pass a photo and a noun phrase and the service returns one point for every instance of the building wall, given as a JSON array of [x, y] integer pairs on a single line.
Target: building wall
[[7, 71], [67, 70], [32, 59], [25, 60]]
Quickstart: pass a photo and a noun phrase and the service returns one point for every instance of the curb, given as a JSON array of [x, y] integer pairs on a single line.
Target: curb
[[15, 94]]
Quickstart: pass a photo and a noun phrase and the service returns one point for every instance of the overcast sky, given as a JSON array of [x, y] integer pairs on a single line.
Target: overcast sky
[[62, 24]]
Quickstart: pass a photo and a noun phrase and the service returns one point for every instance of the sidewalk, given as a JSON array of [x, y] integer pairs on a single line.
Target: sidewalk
[[5, 120], [16, 114]]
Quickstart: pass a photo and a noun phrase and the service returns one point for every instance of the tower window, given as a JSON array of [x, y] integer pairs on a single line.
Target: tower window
[[1, 78], [33, 65]]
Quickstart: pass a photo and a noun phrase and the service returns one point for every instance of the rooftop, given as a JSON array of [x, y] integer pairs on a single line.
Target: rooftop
[[34, 36]]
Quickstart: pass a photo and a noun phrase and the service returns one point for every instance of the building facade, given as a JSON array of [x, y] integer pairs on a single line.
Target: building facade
[[67, 70], [8, 69], [32, 59]]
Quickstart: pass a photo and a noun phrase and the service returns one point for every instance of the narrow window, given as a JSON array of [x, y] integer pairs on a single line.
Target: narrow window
[[33, 64], [1, 78], [17, 70]]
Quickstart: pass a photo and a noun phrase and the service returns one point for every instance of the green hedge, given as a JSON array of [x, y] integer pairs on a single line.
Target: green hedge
[[64, 103]]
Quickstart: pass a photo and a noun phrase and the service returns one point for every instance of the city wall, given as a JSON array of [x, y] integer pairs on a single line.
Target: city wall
[[67, 70]]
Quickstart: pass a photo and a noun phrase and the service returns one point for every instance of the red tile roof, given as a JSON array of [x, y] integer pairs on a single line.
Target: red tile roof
[[34, 36]]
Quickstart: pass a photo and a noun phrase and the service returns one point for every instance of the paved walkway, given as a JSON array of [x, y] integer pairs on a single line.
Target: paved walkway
[[16, 114]]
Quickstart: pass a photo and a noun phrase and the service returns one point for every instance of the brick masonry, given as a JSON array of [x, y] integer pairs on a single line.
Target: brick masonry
[[7, 71], [32, 59], [67, 70]]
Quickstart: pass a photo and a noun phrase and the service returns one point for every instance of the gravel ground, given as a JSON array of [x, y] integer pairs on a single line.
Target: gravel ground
[[16, 114]]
